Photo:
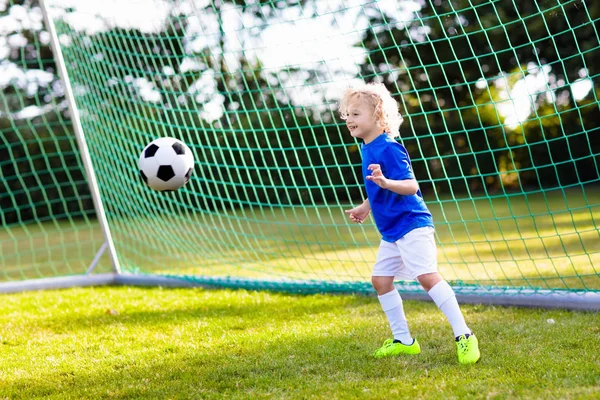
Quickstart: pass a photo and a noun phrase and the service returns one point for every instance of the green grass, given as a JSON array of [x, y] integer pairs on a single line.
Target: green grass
[[138, 343]]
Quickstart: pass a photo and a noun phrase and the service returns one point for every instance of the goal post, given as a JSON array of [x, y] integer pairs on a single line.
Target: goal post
[[499, 101], [82, 146]]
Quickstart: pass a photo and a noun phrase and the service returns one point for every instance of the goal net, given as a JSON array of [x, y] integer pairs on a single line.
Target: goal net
[[500, 108]]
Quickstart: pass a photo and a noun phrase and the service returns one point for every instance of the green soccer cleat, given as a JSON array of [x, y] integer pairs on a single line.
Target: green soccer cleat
[[468, 349], [393, 348]]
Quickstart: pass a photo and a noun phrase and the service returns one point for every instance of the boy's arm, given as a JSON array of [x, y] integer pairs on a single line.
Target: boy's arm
[[359, 213], [403, 187]]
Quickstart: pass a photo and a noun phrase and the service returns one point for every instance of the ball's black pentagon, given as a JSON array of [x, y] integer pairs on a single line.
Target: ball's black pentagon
[[150, 151], [188, 175], [144, 177], [165, 172], [178, 148]]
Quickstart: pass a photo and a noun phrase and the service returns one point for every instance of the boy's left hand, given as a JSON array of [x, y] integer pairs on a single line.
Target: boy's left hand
[[377, 176]]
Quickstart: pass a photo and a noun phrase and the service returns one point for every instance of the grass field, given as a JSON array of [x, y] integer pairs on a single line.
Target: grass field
[[138, 343], [153, 343]]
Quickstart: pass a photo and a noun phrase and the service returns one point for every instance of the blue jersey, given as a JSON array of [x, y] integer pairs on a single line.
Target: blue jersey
[[395, 215]]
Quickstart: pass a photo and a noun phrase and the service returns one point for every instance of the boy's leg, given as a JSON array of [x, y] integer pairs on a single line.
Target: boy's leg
[[419, 254], [443, 296], [385, 270], [402, 343], [391, 303]]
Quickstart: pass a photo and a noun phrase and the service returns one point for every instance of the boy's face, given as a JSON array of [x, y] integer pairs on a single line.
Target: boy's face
[[361, 121]]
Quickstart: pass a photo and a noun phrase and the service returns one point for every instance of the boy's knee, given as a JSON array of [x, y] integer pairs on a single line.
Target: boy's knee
[[382, 284], [429, 280]]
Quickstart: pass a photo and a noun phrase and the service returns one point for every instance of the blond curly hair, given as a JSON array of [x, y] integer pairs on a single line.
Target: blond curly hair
[[385, 108]]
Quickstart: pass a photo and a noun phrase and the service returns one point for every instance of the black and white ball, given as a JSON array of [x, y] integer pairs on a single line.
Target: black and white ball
[[166, 164]]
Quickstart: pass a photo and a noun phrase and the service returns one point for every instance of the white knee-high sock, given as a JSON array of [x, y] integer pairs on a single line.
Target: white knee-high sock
[[391, 302], [443, 296]]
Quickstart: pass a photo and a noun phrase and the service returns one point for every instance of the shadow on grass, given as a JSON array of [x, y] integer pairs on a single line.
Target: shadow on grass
[[263, 345], [334, 366]]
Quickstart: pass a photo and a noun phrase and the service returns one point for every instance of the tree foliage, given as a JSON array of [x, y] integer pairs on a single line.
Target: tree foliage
[[452, 69], [436, 64]]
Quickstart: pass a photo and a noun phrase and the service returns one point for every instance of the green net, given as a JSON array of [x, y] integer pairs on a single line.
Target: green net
[[48, 222], [500, 109]]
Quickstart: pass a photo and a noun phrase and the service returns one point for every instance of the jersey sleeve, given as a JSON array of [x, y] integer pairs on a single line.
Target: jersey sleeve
[[397, 164]]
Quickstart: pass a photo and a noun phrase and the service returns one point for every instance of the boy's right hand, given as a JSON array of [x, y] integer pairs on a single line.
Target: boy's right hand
[[358, 214]]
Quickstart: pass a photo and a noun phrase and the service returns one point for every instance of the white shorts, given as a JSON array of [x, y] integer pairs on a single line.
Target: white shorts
[[412, 255]]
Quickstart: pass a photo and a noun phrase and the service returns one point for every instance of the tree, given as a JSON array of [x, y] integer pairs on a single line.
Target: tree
[[438, 63]]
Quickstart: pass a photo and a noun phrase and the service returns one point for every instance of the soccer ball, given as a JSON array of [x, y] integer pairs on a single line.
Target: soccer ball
[[166, 164]]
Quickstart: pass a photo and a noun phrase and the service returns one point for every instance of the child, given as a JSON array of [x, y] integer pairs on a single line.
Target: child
[[408, 248]]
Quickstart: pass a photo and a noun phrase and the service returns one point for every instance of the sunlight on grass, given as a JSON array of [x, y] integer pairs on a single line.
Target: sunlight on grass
[[539, 240]]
